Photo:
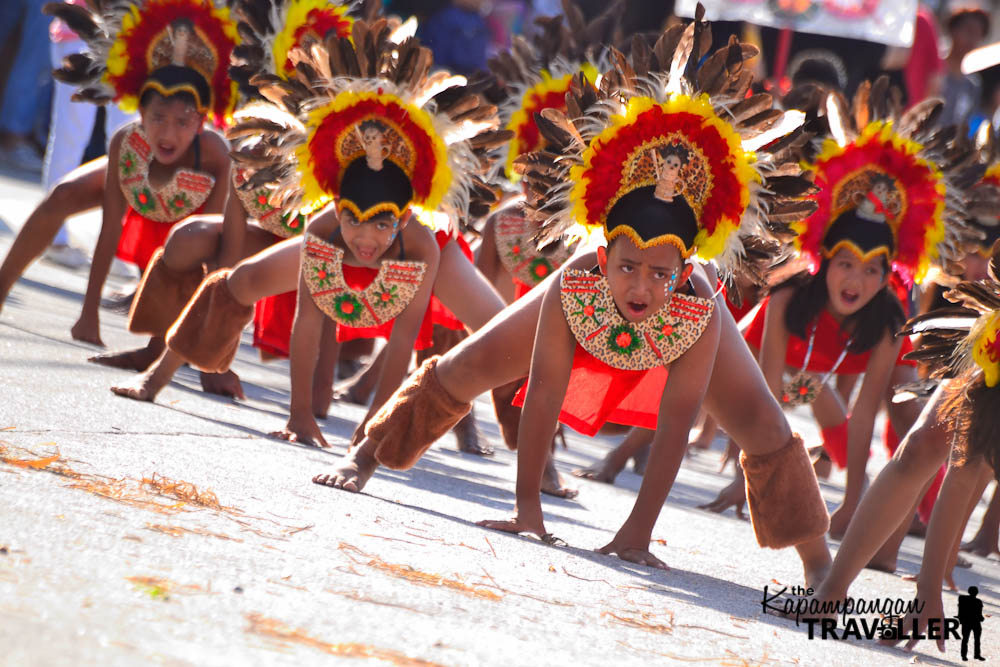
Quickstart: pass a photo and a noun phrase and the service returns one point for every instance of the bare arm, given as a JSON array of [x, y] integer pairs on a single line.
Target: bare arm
[[679, 405], [862, 419], [399, 349], [774, 343], [548, 380], [87, 326], [217, 162], [234, 231]]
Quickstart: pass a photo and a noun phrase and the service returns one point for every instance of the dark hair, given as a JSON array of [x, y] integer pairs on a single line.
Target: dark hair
[[651, 217], [880, 316], [972, 412], [965, 13], [677, 149], [885, 179], [172, 77], [372, 123], [366, 187]]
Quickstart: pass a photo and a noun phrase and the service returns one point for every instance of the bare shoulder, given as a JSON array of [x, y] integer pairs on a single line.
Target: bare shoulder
[[421, 243], [215, 148], [702, 287], [115, 143], [324, 223]]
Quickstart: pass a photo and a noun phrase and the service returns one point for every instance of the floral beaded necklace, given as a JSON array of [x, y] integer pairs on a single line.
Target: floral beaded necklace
[[185, 192], [603, 332], [387, 296]]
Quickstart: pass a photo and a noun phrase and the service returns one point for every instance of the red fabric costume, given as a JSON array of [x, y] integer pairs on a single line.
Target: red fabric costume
[[360, 277]]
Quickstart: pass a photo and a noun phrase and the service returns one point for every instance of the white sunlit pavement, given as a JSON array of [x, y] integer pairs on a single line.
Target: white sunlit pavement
[[97, 569]]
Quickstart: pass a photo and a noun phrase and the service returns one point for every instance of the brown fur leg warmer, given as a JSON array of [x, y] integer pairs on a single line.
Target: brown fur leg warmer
[[419, 413], [508, 416], [786, 507], [207, 334], [161, 297]]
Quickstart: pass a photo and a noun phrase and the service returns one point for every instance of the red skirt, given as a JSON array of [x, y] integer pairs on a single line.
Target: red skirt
[[828, 346], [520, 288], [598, 393], [272, 323], [360, 277], [141, 237]]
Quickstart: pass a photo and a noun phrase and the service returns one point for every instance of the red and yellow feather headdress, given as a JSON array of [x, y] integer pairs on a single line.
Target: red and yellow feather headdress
[[900, 173], [383, 128], [169, 46], [671, 150]]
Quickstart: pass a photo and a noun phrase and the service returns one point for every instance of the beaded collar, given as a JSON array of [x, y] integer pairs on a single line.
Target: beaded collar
[[184, 194], [519, 254], [256, 204], [635, 346], [387, 296]]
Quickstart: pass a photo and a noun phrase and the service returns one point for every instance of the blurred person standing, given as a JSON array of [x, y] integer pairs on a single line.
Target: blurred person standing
[[923, 69], [458, 35], [24, 98], [962, 93], [70, 130]]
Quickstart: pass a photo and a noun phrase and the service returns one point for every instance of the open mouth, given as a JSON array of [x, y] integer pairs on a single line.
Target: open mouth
[[366, 254], [636, 308], [849, 297], [166, 152]]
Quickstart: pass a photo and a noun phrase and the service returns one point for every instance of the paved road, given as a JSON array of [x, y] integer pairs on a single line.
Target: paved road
[[98, 568]]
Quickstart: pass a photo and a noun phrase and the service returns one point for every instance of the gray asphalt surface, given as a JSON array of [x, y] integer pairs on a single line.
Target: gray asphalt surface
[[98, 569]]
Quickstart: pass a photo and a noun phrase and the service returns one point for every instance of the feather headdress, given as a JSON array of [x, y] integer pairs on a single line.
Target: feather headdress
[[536, 74], [890, 183], [169, 46], [364, 121], [661, 151]]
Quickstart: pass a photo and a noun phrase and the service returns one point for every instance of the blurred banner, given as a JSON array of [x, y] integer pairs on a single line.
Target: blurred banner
[[884, 21]]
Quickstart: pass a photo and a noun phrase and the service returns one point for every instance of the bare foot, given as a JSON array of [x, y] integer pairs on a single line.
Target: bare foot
[[917, 528], [816, 576], [469, 440], [552, 484], [304, 431], [87, 332], [982, 545], [134, 360], [640, 459], [605, 470], [732, 495], [142, 388], [625, 549], [702, 442], [517, 526], [351, 394], [822, 465], [223, 384], [357, 468], [882, 563]]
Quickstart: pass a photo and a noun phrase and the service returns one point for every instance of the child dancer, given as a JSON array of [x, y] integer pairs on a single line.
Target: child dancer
[[369, 143], [169, 58], [882, 208], [176, 271], [663, 176]]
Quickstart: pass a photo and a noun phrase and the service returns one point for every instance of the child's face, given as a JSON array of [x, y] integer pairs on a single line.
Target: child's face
[[370, 240], [881, 190], [976, 267], [639, 279], [852, 283], [672, 164], [170, 125]]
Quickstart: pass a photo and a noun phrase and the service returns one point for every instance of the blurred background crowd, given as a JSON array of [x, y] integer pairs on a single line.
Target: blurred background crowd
[[44, 135]]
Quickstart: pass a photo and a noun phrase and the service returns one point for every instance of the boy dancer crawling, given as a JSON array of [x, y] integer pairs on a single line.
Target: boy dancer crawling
[[638, 338], [176, 271], [169, 59], [368, 143]]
